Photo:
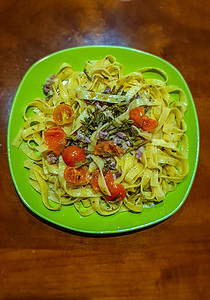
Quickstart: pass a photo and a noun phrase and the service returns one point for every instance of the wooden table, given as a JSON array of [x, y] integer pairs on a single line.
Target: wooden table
[[168, 261]]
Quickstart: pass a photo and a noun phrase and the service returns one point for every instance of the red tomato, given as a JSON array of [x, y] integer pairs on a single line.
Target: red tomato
[[77, 176], [149, 124], [109, 178], [55, 138], [73, 154], [117, 191], [137, 115], [106, 147], [94, 181], [63, 114], [142, 121]]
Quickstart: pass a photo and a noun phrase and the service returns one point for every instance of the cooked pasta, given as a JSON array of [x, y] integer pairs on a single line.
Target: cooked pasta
[[103, 141]]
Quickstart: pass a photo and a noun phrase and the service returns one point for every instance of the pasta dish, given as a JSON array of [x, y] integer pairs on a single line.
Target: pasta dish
[[103, 141]]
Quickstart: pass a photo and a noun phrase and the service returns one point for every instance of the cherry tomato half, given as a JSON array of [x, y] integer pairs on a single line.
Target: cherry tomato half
[[55, 138], [106, 147], [109, 178], [63, 114], [149, 124], [77, 176], [142, 121], [117, 191], [137, 115], [94, 180], [73, 154]]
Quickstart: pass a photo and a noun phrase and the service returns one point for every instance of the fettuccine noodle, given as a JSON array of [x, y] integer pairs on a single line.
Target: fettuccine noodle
[[150, 163]]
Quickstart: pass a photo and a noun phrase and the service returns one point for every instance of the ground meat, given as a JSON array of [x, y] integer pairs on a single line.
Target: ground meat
[[116, 140], [118, 173], [88, 156], [82, 138], [108, 113], [98, 105], [103, 134], [49, 81], [46, 88], [107, 90], [52, 158], [111, 163], [126, 145], [139, 152], [121, 135], [104, 107]]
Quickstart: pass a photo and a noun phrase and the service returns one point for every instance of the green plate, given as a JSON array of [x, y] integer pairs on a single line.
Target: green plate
[[68, 217]]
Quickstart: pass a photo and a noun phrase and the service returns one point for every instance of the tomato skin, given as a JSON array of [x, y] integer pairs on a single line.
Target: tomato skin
[[77, 176], [109, 178], [63, 114], [55, 138], [73, 154], [149, 124], [106, 147], [141, 121], [117, 191], [94, 180], [137, 115]]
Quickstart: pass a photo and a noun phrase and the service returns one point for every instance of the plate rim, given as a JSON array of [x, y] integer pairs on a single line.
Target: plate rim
[[103, 232]]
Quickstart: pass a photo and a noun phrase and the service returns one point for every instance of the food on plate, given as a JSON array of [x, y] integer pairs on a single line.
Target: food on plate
[[103, 141]]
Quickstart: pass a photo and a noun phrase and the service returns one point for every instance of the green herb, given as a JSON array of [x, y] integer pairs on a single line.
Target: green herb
[[105, 77], [115, 198], [119, 89], [84, 163], [108, 164], [94, 119], [86, 73], [113, 90]]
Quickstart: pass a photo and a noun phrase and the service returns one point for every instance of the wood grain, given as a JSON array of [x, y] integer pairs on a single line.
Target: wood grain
[[168, 261]]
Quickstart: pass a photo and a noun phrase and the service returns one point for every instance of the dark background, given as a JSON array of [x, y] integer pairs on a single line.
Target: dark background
[[168, 261]]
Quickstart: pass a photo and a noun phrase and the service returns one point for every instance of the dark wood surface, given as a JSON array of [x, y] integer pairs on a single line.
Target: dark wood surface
[[168, 261]]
